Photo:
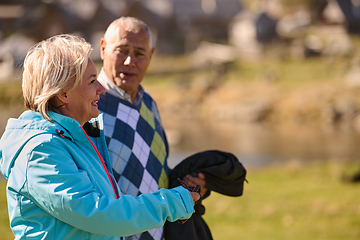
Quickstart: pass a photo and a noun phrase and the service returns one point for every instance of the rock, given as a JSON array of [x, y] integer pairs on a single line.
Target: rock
[[352, 78], [247, 112]]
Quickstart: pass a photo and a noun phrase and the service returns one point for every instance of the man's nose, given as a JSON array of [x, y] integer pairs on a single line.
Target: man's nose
[[128, 60]]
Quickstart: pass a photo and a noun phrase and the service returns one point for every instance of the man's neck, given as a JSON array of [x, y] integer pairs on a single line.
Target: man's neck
[[133, 98]]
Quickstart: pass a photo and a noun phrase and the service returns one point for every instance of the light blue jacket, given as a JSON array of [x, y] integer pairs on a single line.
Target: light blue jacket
[[58, 188]]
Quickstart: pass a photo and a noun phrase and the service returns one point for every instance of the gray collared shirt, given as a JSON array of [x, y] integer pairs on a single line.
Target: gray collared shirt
[[118, 92]]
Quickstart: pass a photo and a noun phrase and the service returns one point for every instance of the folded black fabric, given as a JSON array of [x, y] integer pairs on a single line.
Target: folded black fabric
[[224, 174]]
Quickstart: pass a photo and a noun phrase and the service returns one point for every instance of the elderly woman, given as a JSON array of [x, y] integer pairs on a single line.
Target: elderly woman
[[60, 183]]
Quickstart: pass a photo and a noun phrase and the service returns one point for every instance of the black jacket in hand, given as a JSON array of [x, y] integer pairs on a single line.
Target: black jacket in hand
[[223, 174]]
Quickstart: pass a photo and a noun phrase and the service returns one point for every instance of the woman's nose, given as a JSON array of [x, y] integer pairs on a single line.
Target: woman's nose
[[101, 89]]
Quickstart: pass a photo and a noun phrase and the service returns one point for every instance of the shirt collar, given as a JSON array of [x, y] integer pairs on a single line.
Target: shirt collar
[[116, 91]]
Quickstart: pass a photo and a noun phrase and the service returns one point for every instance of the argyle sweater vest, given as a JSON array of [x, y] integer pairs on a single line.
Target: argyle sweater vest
[[138, 147], [137, 144]]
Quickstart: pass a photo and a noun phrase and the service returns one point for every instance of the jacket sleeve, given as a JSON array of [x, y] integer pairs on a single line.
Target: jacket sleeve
[[62, 189]]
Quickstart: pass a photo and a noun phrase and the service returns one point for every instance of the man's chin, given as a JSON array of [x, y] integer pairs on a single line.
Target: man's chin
[[127, 85], [125, 82]]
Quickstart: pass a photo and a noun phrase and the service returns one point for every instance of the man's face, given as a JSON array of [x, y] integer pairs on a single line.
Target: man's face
[[126, 57]]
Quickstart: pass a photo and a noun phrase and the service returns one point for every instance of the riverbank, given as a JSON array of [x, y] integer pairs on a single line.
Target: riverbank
[[271, 109], [302, 92], [274, 92], [305, 109]]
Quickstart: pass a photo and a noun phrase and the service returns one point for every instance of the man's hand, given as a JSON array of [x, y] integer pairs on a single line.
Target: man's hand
[[195, 196], [198, 180]]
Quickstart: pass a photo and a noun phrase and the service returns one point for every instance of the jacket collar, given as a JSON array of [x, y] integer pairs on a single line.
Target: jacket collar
[[70, 128]]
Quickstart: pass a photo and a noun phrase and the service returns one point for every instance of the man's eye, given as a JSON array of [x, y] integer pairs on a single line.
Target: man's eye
[[120, 51], [140, 54]]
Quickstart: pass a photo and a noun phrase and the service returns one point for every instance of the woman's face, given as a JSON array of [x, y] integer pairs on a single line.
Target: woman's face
[[81, 101]]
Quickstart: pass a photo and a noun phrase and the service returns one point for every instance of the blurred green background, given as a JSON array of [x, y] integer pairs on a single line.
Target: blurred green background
[[277, 84], [294, 201]]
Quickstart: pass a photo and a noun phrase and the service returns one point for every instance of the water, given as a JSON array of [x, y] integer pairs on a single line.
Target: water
[[255, 145], [259, 145]]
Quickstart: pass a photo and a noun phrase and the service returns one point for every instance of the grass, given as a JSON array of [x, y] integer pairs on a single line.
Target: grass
[[4, 219], [10, 93], [287, 202], [293, 203]]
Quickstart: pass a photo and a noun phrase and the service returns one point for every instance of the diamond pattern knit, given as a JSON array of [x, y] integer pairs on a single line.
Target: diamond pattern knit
[[138, 148]]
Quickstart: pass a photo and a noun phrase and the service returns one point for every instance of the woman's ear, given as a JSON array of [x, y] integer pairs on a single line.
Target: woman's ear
[[62, 96]]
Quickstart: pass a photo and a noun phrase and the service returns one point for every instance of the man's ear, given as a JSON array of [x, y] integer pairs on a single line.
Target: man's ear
[[152, 52], [102, 48]]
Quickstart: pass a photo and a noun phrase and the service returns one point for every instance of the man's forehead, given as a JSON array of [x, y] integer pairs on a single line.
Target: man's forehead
[[131, 36]]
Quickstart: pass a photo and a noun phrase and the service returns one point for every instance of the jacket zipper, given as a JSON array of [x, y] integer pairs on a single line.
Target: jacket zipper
[[103, 163]]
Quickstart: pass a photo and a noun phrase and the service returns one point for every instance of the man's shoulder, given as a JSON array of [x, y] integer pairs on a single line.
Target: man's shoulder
[[147, 97], [149, 101]]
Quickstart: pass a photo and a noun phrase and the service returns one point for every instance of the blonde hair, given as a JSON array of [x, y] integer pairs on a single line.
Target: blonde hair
[[132, 24], [50, 67]]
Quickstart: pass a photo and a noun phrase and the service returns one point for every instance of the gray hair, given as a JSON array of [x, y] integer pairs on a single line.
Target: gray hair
[[132, 24]]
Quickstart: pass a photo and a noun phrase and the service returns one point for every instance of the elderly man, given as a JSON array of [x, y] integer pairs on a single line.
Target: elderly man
[[135, 137]]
